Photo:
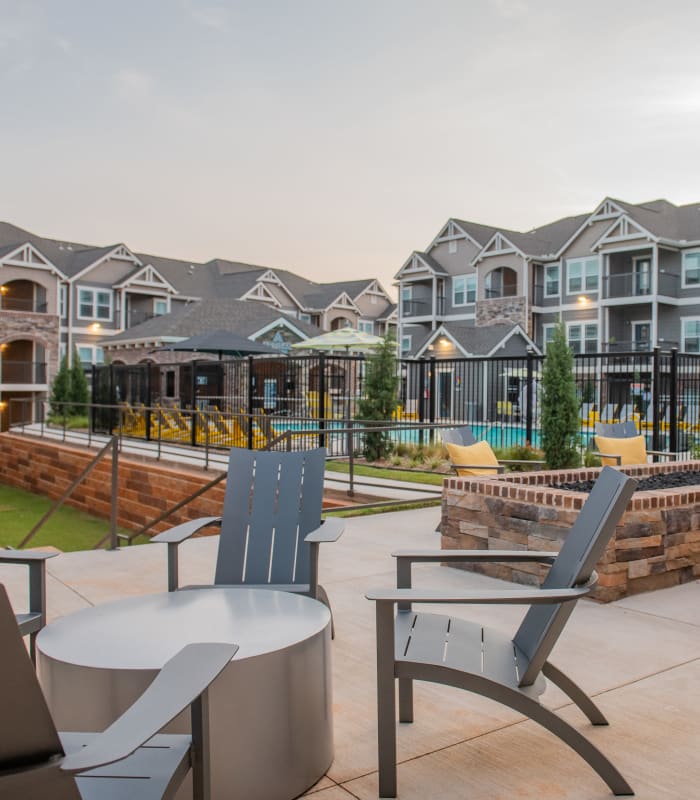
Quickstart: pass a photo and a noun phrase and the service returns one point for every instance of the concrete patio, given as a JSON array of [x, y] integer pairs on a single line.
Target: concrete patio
[[639, 657]]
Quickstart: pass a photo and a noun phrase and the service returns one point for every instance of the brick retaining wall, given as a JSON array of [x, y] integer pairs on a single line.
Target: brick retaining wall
[[656, 544]]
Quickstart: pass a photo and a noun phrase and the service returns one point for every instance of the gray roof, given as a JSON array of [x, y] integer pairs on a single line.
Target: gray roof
[[475, 340], [480, 233], [241, 317]]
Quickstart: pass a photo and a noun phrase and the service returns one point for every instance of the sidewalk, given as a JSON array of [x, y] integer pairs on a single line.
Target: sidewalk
[[639, 657]]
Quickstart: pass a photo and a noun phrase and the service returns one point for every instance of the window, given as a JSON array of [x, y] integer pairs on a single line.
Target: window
[[94, 304], [160, 307], [551, 280], [62, 294], [501, 282], [90, 354], [691, 269], [691, 336], [547, 335], [582, 275], [365, 327], [305, 317], [463, 290], [583, 338], [405, 345], [406, 297]]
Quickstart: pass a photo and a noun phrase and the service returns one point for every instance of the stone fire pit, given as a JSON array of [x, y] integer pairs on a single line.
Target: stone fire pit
[[656, 544]]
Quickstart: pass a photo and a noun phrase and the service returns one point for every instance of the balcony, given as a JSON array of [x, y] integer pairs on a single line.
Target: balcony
[[22, 372], [136, 317], [422, 308], [630, 346], [638, 284], [23, 304]]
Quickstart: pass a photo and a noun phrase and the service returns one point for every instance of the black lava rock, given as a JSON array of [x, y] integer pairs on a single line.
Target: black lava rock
[[668, 480]]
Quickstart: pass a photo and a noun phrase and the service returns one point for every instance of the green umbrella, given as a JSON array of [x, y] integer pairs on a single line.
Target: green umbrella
[[342, 339]]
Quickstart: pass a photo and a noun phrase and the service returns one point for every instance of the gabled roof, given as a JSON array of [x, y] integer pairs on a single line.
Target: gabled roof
[[419, 262], [475, 340], [201, 316]]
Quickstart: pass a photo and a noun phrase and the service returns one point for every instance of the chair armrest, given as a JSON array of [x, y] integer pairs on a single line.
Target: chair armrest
[[24, 556], [489, 596], [179, 533], [424, 556], [331, 530], [664, 453], [617, 458], [181, 681], [498, 469]]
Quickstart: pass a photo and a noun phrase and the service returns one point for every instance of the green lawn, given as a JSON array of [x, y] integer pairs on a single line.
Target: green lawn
[[410, 476], [68, 529]]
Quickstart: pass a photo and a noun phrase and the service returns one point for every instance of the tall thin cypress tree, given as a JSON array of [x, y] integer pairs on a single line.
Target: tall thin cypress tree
[[379, 402], [560, 422]]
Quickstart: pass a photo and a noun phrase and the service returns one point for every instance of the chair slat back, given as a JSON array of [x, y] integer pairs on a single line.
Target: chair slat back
[[27, 733], [582, 549], [463, 436], [272, 501], [617, 430]]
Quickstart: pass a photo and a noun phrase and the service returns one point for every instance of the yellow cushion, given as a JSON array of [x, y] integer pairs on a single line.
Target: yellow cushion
[[479, 453], [632, 449]]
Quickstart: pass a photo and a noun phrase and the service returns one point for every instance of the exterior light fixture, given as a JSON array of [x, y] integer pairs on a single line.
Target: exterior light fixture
[[582, 300], [95, 327]]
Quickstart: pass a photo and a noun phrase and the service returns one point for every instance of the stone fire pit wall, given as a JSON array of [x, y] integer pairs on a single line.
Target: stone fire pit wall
[[656, 544]]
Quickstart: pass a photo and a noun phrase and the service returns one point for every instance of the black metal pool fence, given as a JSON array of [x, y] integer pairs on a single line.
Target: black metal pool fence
[[309, 398]]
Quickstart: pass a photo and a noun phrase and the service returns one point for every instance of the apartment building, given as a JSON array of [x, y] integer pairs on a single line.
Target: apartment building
[[59, 295], [622, 277]]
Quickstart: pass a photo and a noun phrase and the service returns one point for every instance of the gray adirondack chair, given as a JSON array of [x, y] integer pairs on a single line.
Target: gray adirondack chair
[[443, 649], [465, 436], [626, 430], [271, 524], [30, 622], [38, 762]]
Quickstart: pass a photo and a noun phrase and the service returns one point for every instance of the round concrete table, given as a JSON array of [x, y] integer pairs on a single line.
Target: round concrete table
[[270, 709]]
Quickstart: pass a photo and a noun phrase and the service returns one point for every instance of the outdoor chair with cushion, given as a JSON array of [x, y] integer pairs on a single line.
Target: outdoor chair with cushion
[[443, 649], [471, 457], [271, 524], [34, 619], [618, 444], [38, 762]]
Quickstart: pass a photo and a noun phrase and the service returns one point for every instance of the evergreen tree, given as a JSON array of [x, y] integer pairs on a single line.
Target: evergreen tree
[[60, 390], [559, 406], [380, 400], [79, 389]]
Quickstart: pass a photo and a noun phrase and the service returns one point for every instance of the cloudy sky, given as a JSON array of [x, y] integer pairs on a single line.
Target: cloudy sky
[[333, 138]]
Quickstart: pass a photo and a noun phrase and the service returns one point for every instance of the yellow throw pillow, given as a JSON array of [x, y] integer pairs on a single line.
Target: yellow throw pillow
[[479, 453], [633, 450]]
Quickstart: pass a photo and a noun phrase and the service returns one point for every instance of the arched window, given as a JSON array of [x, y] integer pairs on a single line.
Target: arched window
[[501, 282]]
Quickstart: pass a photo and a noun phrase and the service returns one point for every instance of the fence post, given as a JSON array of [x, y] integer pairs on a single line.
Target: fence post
[[431, 400], [673, 402], [351, 460], [529, 395], [321, 399], [193, 404], [421, 398], [655, 389], [114, 512], [251, 389]]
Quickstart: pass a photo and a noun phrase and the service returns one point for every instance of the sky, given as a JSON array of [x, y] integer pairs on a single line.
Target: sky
[[335, 138]]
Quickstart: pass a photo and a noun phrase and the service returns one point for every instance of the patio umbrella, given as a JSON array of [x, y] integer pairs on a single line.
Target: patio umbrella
[[343, 338], [222, 343]]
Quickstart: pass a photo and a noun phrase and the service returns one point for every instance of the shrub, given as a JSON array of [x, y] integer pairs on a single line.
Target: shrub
[[379, 403]]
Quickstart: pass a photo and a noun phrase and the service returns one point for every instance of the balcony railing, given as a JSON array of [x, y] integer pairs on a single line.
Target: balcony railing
[[636, 284], [22, 372], [22, 304], [136, 317], [421, 308], [630, 346]]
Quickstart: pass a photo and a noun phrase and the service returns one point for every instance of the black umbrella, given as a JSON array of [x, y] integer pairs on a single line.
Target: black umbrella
[[221, 342]]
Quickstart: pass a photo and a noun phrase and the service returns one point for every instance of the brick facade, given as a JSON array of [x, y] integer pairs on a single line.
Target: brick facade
[[656, 544]]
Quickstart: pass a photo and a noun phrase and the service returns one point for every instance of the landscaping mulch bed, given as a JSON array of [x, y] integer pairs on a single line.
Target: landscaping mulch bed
[[669, 480]]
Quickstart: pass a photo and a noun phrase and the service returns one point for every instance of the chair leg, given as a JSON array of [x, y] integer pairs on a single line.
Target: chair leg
[[569, 735], [386, 700], [323, 597], [32, 647], [405, 700], [575, 692]]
